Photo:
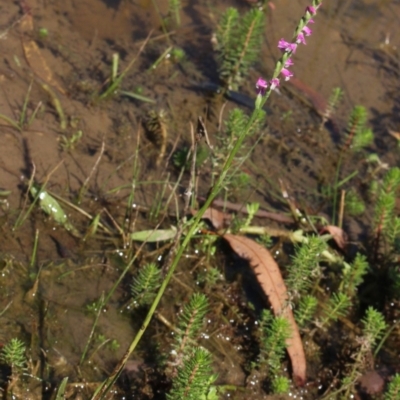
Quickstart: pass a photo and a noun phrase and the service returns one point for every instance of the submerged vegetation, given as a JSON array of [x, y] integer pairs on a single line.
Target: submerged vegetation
[[159, 292]]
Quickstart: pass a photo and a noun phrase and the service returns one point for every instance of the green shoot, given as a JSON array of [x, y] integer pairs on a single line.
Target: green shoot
[[393, 391], [337, 306], [334, 99], [304, 268], [373, 330], [190, 322], [353, 274], [274, 332], [193, 379], [385, 204], [145, 284], [13, 354], [354, 205], [174, 8], [306, 310], [238, 44]]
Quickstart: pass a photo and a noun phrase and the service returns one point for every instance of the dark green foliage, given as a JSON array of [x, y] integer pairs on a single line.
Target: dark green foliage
[[385, 203], [238, 44], [353, 204], [306, 310], [393, 391], [373, 330], [274, 332], [174, 8], [190, 322], [374, 326], [193, 379], [236, 123], [353, 274], [280, 385], [358, 135], [194, 373], [304, 268], [182, 158], [13, 354], [362, 139], [145, 285], [337, 306]]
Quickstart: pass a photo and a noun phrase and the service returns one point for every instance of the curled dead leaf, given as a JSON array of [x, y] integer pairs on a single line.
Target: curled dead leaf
[[271, 281], [216, 217], [338, 235]]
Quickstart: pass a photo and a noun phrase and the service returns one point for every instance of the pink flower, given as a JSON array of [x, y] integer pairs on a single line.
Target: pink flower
[[300, 38], [287, 46], [286, 73], [288, 63], [311, 10], [261, 86], [274, 83], [307, 31]]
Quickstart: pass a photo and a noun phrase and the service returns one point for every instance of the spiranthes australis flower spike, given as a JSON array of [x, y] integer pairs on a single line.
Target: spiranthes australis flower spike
[[288, 49]]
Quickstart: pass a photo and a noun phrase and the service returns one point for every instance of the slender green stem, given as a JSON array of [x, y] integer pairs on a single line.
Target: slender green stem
[[34, 251], [100, 306], [335, 187]]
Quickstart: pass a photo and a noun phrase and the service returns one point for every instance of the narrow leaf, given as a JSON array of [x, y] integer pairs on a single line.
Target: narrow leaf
[[52, 207], [61, 389], [152, 235], [271, 281]]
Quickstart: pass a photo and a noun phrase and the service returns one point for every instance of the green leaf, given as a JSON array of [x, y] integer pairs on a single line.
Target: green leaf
[[51, 207], [153, 236], [61, 389]]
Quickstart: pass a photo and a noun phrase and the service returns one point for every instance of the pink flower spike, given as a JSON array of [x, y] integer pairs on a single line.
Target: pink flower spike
[[261, 86], [300, 38], [283, 44], [311, 10], [286, 73], [288, 63], [287, 46], [310, 21], [274, 83], [307, 31], [293, 47]]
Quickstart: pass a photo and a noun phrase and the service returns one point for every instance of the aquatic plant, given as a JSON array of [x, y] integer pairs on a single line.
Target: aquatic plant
[[174, 9], [193, 375], [274, 333], [393, 391], [373, 329], [358, 136], [304, 268], [13, 354], [386, 223], [238, 41], [145, 284]]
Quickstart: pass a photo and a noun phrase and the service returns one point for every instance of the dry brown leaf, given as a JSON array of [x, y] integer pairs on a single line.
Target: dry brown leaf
[[395, 134], [338, 235], [34, 56], [216, 217], [271, 281]]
